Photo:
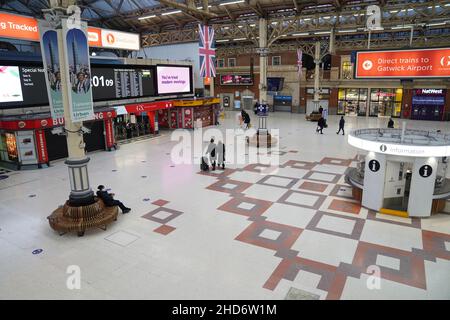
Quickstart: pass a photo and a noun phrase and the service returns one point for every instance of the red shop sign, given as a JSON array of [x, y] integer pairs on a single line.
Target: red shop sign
[[47, 122], [41, 146], [153, 106]]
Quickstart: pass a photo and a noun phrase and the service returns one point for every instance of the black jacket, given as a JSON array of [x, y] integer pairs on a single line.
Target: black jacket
[[341, 123], [321, 122], [105, 196]]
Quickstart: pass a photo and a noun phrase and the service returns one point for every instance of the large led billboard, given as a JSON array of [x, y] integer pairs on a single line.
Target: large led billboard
[[173, 79], [403, 64]]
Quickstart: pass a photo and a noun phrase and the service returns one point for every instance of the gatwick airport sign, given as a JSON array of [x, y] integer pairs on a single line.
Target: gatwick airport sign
[[410, 63], [26, 28]]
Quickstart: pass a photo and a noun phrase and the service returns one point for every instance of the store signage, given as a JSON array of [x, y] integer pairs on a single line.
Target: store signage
[[78, 72], [426, 171], [399, 150], [109, 135], [26, 28], [429, 92], [41, 146], [374, 165], [417, 63], [138, 108], [46, 123], [114, 39], [18, 27]]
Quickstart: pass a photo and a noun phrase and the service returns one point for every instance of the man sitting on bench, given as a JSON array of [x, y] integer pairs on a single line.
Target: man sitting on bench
[[109, 201]]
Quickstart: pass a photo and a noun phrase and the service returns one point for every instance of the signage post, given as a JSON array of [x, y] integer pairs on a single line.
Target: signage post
[[73, 58]]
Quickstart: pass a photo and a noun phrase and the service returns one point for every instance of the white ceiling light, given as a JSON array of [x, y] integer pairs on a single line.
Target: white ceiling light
[[322, 32], [347, 31], [301, 34], [222, 40], [238, 39], [171, 12], [147, 17], [401, 27], [436, 24], [232, 2]]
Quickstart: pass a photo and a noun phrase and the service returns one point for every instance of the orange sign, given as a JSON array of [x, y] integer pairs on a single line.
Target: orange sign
[[418, 63], [18, 27], [26, 28]]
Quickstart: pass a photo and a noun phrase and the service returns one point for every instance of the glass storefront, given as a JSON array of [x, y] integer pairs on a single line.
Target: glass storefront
[[386, 102], [352, 101]]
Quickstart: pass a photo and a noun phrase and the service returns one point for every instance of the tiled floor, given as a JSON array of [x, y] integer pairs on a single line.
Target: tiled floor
[[251, 232]]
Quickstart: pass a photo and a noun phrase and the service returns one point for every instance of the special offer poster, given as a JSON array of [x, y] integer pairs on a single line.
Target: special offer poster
[[78, 73], [50, 58]]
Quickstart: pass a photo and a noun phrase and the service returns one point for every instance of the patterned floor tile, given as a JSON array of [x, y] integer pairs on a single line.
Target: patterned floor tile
[[313, 186], [229, 186], [322, 177], [233, 206], [341, 226], [162, 215], [345, 206], [302, 199], [336, 161], [278, 181], [164, 230]]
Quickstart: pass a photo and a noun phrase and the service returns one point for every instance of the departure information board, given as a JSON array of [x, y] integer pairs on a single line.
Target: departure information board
[[111, 83]]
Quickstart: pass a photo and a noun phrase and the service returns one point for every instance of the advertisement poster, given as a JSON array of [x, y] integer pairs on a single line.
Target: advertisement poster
[[414, 63], [173, 79], [50, 54], [27, 150], [11, 88], [41, 145], [78, 73], [11, 146]]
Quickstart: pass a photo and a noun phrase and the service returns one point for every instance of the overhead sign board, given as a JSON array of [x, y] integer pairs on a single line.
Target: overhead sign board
[[26, 28], [413, 63]]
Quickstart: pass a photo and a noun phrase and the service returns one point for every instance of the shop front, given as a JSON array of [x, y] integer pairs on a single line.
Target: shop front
[[31, 142], [352, 101], [371, 102], [138, 120], [189, 113], [428, 104]]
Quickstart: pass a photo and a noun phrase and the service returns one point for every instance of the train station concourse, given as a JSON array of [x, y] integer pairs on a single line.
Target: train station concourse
[[232, 150]]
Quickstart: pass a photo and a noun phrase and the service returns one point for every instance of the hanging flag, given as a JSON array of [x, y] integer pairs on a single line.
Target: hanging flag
[[299, 62], [207, 52]]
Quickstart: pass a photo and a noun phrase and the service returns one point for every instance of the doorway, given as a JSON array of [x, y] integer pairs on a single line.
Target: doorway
[[397, 185]]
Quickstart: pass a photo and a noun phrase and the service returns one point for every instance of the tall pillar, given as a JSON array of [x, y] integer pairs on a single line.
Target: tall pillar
[[211, 86], [422, 187], [77, 161], [263, 60], [317, 77]]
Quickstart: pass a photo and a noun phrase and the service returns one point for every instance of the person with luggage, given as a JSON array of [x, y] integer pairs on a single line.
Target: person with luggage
[[211, 152], [341, 126], [221, 154]]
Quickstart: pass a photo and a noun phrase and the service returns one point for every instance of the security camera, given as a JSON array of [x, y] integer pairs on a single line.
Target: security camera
[[85, 130], [58, 131]]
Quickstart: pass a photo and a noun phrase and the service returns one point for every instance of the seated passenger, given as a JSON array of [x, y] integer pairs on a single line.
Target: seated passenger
[[108, 199]]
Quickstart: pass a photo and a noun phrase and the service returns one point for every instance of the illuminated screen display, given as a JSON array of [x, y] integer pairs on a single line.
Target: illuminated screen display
[[174, 79]]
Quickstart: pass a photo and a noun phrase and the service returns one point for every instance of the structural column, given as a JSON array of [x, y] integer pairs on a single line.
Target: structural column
[[317, 77], [77, 162], [263, 60]]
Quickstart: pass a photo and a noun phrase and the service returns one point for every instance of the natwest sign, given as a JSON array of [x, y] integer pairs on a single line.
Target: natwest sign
[[430, 92], [417, 63]]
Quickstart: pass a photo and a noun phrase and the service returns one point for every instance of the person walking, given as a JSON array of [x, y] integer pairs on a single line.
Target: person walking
[[246, 119], [211, 152], [221, 154], [341, 126], [320, 125], [321, 110], [108, 199]]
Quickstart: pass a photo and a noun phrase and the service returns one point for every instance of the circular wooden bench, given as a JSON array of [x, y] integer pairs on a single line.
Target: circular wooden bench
[[69, 219]]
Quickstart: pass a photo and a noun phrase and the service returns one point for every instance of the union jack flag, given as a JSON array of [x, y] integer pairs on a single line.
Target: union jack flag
[[207, 52], [299, 62]]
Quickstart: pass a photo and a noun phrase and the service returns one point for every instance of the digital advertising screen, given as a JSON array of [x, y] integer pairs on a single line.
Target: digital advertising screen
[[122, 82], [174, 79], [403, 64], [22, 86], [236, 79], [275, 84]]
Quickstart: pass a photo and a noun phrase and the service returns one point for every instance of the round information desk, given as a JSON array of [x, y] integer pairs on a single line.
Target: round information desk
[[401, 172]]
